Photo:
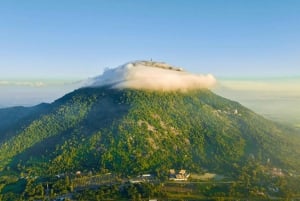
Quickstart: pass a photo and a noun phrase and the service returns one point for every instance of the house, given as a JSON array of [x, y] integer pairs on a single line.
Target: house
[[172, 172], [142, 179], [277, 172], [182, 175]]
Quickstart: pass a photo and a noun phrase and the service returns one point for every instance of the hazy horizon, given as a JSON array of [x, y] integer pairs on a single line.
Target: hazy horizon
[[277, 99]]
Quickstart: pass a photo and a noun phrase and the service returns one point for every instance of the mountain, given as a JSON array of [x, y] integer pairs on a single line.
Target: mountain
[[11, 116], [128, 131]]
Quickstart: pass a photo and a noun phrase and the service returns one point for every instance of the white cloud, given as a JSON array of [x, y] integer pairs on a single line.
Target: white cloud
[[152, 76]]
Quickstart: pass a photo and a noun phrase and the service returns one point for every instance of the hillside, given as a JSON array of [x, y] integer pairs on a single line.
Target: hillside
[[129, 132], [15, 117], [143, 117]]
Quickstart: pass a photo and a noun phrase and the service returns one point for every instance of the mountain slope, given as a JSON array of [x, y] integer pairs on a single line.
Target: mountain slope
[[11, 116], [130, 131]]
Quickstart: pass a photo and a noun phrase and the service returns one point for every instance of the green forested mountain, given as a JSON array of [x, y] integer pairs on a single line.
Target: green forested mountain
[[129, 132]]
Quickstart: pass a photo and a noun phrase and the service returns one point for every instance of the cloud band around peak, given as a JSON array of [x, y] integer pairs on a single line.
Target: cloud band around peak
[[152, 77]]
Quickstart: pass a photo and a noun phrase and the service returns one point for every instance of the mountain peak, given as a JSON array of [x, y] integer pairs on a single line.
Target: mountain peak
[[152, 75], [155, 64]]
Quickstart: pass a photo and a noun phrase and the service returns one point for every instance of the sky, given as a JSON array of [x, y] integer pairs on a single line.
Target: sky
[[76, 39]]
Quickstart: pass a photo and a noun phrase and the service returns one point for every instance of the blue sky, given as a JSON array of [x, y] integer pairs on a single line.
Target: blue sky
[[78, 39]]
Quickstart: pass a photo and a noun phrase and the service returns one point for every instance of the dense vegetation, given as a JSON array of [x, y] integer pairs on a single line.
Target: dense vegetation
[[129, 132]]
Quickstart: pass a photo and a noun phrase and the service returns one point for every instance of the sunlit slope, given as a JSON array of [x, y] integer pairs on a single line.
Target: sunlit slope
[[132, 131]]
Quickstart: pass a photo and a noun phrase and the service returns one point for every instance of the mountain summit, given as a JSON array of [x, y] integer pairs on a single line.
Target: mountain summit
[[152, 75]]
